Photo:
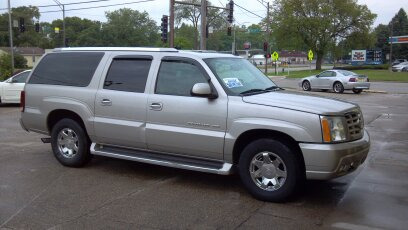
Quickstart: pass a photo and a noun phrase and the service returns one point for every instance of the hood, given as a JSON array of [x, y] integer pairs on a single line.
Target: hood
[[301, 102], [400, 66]]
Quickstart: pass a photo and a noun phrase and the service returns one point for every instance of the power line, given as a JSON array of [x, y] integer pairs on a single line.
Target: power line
[[67, 4], [248, 10], [93, 7]]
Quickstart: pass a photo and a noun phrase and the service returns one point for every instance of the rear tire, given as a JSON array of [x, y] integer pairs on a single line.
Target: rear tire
[[270, 170], [70, 143], [338, 87], [357, 91], [306, 86]]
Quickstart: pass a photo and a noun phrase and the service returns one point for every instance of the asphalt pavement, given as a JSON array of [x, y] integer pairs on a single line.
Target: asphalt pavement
[[36, 192]]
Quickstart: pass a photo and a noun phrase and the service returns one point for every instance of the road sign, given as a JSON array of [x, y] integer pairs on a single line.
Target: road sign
[[57, 30], [254, 30], [275, 56], [398, 39], [310, 55]]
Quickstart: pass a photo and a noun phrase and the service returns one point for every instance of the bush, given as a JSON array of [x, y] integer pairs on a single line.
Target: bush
[[5, 64], [384, 66]]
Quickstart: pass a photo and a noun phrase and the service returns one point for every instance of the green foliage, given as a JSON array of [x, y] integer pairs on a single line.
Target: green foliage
[[318, 23], [5, 64]]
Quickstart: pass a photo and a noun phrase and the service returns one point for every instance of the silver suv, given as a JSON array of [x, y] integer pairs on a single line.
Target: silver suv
[[208, 112]]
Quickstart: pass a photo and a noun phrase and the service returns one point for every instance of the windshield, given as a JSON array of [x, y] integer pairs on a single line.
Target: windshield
[[346, 73], [238, 75]]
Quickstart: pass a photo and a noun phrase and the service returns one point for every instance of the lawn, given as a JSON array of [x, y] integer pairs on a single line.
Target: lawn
[[373, 75]]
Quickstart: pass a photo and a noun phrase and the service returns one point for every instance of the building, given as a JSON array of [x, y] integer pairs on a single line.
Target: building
[[31, 54], [294, 57]]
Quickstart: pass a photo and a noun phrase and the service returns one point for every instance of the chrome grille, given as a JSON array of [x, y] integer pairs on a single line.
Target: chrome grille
[[355, 125]]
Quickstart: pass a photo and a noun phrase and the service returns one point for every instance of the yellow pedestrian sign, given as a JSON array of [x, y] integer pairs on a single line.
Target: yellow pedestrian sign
[[310, 55], [275, 56]]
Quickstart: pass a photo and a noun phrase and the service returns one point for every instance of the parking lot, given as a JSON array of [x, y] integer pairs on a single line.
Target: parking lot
[[36, 192]]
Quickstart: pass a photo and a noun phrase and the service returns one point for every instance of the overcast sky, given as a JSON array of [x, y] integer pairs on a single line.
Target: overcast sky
[[385, 9]]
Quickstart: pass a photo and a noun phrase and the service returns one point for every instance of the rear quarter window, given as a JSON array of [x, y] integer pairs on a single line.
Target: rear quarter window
[[70, 69]]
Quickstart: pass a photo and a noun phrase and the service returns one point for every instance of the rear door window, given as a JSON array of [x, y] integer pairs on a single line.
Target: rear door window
[[66, 68], [128, 75]]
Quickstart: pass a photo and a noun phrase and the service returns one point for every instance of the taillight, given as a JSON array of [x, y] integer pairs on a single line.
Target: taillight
[[22, 101], [352, 79]]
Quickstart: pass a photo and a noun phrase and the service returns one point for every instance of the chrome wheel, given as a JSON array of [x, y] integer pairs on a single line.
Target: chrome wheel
[[306, 86], [67, 142], [338, 88], [268, 171]]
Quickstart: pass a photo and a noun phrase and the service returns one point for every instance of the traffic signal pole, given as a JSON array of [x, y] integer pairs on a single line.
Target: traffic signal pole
[[11, 39], [203, 39], [267, 39], [171, 32]]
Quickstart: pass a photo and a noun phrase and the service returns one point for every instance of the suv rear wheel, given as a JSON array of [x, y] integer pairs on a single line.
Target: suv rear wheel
[[70, 143], [270, 170]]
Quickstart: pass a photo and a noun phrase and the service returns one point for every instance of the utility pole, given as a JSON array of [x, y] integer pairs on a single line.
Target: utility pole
[[267, 38], [392, 28], [171, 40], [62, 6], [203, 39], [11, 39]]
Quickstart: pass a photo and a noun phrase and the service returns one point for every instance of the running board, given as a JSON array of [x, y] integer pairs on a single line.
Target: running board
[[180, 162]]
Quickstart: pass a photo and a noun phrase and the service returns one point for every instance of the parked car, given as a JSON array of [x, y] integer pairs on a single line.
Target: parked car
[[399, 61], [11, 88], [207, 112], [400, 67], [336, 80]]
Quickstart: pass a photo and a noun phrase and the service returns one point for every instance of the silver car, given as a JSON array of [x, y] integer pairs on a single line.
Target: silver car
[[209, 112], [337, 80]]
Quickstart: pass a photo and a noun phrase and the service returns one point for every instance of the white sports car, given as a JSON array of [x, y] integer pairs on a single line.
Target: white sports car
[[11, 88], [336, 80]]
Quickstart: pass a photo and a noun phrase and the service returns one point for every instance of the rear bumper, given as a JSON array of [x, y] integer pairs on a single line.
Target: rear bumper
[[326, 161], [357, 85]]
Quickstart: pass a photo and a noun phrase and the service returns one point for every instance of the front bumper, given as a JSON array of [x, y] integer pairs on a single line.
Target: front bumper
[[357, 85], [326, 161]]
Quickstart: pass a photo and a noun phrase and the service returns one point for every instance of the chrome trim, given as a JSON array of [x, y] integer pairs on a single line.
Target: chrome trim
[[226, 168], [147, 49]]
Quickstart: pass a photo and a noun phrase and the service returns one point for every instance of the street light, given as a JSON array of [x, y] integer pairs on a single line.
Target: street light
[[62, 6]]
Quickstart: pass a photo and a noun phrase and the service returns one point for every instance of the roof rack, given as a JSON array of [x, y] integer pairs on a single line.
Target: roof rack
[[140, 49]]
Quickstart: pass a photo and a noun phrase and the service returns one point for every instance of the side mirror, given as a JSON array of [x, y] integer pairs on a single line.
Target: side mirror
[[203, 90], [317, 76]]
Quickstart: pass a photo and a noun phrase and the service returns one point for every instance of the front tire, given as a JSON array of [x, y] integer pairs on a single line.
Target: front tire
[[70, 143], [338, 87], [306, 86], [270, 170]]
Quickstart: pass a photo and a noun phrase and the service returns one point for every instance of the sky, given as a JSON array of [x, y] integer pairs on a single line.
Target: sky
[[385, 9]]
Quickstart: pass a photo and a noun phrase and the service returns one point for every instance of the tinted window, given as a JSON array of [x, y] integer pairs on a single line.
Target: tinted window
[[326, 74], [178, 78], [21, 78], [128, 75], [72, 69]]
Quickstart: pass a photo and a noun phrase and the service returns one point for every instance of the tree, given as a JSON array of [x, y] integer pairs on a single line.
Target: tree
[[127, 27], [399, 25], [5, 64], [319, 23], [192, 13]]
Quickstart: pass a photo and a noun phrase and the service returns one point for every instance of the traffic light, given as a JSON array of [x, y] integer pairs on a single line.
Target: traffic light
[[265, 46], [231, 12], [164, 26], [37, 27], [229, 31], [21, 25]]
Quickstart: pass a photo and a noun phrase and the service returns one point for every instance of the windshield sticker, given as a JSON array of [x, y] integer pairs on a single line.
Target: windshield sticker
[[232, 82]]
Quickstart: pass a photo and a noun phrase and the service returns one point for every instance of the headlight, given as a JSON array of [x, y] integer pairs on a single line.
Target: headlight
[[333, 129]]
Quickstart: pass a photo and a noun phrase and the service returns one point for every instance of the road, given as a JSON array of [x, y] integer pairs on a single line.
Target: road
[[294, 68], [36, 192]]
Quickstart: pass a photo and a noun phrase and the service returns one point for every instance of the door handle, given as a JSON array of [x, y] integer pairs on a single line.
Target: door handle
[[156, 106], [106, 102]]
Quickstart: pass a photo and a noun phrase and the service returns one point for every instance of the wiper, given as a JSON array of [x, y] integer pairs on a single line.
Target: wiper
[[253, 91], [274, 88]]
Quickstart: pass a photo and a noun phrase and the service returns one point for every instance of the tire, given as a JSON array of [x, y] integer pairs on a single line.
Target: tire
[[338, 87], [306, 86], [357, 91], [290, 175], [70, 143]]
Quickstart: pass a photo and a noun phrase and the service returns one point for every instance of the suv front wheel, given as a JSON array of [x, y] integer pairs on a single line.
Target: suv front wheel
[[70, 143], [270, 170]]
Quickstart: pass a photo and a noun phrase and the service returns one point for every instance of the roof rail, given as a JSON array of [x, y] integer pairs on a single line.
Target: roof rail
[[140, 49]]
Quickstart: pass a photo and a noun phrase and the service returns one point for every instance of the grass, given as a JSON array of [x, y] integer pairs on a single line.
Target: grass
[[373, 75]]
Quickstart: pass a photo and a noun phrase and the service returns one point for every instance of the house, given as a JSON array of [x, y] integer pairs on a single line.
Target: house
[[31, 54], [294, 57]]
